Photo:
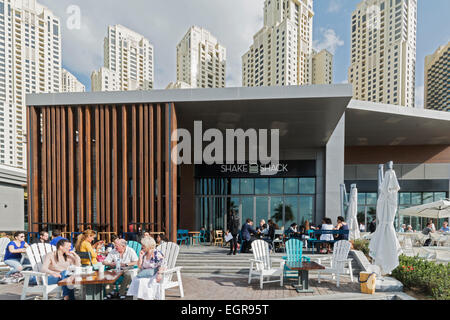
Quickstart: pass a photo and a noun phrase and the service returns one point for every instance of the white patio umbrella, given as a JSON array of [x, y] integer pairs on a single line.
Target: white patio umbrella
[[384, 246], [437, 210], [352, 212]]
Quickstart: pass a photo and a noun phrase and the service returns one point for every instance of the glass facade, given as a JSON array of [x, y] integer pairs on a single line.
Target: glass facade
[[285, 200], [367, 205]]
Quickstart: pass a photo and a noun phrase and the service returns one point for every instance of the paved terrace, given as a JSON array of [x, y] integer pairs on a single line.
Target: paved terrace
[[209, 274]]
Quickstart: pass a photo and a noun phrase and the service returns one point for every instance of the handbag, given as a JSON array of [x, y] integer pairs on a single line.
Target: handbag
[[228, 237]]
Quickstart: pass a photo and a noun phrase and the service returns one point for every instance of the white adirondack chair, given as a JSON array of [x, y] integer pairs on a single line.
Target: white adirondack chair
[[36, 254], [170, 251], [339, 260], [262, 264], [3, 243]]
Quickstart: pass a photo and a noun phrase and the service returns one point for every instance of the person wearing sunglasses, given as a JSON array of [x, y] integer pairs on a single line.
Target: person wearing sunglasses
[[13, 257]]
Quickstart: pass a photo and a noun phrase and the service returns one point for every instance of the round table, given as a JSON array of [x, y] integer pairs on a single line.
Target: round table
[[191, 236]]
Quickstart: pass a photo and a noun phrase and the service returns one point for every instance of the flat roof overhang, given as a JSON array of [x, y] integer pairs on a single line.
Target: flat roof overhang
[[305, 115], [375, 124]]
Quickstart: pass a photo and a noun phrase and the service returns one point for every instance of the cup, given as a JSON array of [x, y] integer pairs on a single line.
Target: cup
[[101, 269], [89, 270], [78, 270]]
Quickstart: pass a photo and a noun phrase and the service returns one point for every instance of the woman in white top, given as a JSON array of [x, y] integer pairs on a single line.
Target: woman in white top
[[327, 224], [146, 285]]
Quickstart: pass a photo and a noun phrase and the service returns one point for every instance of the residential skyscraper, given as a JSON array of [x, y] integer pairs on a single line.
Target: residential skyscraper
[[281, 51], [322, 67], [383, 51], [128, 58], [30, 62], [437, 75], [201, 59], [70, 83]]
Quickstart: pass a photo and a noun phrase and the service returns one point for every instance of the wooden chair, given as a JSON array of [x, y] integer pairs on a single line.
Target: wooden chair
[[36, 254], [170, 252], [338, 261], [294, 253], [218, 237], [262, 264]]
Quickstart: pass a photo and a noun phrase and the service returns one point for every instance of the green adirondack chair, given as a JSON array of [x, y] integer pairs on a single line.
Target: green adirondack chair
[[136, 246], [294, 250]]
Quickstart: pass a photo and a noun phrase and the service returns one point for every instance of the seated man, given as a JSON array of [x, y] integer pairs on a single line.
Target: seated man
[[128, 257], [426, 231], [56, 236], [248, 235], [445, 227]]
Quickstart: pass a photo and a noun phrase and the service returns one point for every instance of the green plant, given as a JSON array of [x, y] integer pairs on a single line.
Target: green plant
[[362, 245], [425, 276]]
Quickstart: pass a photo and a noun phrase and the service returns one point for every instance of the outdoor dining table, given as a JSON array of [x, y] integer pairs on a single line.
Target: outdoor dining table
[[303, 269], [191, 236], [93, 283]]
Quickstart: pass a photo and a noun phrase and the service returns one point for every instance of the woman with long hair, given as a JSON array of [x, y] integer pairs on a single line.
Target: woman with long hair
[[58, 262], [84, 244]]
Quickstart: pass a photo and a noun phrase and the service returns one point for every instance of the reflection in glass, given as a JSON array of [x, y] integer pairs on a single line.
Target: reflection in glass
[[361, 198], [262, 209], [276, 185], [416, 198], [427, 197], [234, 186], [247, 208], [405, 197], [290, 185], [307, 185], [276, 210], [371, 198], [246, 186], [290, 211], [306, 209], [440, 196], [262, 186]]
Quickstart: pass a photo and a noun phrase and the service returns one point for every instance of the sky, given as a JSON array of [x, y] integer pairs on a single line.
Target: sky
[[232, 22]]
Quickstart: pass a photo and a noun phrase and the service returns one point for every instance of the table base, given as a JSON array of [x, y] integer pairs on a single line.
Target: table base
[[303, 282], [93, 292]]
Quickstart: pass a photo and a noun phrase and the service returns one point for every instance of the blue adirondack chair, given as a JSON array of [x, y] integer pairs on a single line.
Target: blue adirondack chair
[[136, 246], [182, 236], [294, 251]]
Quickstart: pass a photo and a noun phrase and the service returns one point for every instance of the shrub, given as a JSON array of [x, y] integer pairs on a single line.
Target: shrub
[[428, 277], [362, 245]]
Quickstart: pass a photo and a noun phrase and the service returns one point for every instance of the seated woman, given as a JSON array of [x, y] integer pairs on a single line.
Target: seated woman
[[341, 225], [84, 245], [13, 257], [327, 224], [58, 262], [146, 284], [160, 239]]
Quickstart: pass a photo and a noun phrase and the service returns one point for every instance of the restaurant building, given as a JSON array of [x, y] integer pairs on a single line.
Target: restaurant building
[[105, 159]]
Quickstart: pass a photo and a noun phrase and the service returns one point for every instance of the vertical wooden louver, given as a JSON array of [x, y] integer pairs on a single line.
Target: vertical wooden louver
[[79, 165]]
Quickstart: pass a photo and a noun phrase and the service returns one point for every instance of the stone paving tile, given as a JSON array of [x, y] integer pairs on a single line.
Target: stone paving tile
[[230, 288]]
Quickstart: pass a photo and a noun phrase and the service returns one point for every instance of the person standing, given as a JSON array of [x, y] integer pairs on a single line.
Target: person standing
[[248, 235], [233, 228]]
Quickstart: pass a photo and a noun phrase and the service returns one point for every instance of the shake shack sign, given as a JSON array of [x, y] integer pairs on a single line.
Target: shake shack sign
[[303, 168]]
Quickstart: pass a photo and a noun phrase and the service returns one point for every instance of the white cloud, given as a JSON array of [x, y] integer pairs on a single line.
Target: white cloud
[[330, 41], [232, 22], [420, 100], [335, 6]]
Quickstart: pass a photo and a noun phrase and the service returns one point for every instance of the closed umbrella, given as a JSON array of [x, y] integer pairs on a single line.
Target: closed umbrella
[[384, 246], [352, 214], [438, 210]]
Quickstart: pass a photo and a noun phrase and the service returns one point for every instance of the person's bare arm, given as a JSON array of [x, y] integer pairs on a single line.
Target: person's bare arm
[[12, 250]]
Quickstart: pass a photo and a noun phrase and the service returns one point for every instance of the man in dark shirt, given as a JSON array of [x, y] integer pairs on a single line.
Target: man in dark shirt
[[372, 226], [426, 231], [248, 235], [233, 228]]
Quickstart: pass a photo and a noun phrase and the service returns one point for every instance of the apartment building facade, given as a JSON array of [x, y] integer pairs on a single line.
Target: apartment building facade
[[383, 51], [437, 74]]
